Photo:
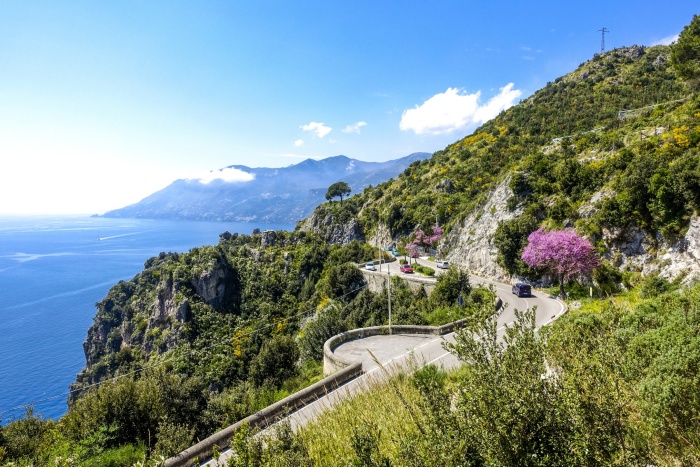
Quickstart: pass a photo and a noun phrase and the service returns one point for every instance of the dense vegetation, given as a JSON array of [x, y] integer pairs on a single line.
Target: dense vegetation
[[610, 386], [198, 341]]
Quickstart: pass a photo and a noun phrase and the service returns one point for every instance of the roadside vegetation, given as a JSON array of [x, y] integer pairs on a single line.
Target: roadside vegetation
[[612, 386]]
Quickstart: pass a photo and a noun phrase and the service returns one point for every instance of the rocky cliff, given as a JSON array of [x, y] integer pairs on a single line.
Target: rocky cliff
[[335, 227], [149, 312], [470, 244]]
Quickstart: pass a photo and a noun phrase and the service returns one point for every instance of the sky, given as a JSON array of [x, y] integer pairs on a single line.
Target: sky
[[104, 103]]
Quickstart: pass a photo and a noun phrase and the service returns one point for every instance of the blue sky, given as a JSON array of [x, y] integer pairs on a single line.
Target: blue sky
[[103, 103]]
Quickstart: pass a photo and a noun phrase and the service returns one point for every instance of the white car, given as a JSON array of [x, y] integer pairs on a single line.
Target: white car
[[370, 266], [443, 264]]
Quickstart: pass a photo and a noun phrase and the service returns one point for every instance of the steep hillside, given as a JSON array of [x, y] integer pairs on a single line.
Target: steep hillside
[[272, 195], [611, 149]]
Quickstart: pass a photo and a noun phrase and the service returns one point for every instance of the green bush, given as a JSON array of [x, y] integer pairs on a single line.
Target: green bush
[[653, 286], [276, 362], [450, 286], [123, 456], [423, 269]]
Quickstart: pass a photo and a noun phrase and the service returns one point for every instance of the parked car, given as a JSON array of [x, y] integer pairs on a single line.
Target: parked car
[[522, 290], [406, 268], [443, 264], [370, 266]]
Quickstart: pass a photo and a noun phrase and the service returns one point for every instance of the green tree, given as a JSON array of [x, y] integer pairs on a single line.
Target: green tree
[[340, 189], [450, 286], [510, 239], [685, 54], [275, 362]]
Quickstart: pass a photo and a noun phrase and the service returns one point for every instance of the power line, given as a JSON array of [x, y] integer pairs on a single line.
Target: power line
[[602, 39], [167, 360]]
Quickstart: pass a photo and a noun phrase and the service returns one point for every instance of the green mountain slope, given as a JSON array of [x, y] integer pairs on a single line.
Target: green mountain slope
[[610, 148]]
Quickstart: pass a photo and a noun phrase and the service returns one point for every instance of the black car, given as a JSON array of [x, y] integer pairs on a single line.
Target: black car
[[522, 290]]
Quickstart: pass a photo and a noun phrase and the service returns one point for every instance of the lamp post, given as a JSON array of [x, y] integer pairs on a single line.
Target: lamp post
[[388, 294]]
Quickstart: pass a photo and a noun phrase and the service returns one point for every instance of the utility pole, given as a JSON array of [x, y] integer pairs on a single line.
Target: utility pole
[[388, 294], [602, 40]]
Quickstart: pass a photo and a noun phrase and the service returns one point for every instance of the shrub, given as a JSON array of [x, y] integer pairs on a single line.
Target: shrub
[[424, 270], [275, 362]]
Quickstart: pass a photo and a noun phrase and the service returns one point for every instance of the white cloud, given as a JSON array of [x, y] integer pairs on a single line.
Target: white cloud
[[299, 142], [528, 57], [668, 40], [503, 100], [454, 110], [320, 129], [228, 174], [354, 128]]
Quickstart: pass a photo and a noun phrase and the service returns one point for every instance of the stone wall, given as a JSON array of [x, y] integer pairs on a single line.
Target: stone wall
[[376, 281]]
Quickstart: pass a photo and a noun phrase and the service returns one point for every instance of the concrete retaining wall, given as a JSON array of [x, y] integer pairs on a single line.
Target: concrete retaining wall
[[376, 281], [205, 448], [333, 363]]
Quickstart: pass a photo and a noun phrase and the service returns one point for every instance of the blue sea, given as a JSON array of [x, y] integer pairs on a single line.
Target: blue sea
[[52, 272]]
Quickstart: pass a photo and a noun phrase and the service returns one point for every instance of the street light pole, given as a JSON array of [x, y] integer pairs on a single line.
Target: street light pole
[[388, 294]]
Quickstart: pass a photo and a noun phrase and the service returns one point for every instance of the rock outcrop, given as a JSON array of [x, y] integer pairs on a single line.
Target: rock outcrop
[[335, 231], [149, 316], [470, 245], [633, 249]]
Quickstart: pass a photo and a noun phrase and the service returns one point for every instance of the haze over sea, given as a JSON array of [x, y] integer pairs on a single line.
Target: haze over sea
[[52, 272]]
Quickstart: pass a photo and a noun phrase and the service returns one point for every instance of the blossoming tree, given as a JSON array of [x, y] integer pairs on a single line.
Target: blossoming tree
[[422, 239], [562, 253]]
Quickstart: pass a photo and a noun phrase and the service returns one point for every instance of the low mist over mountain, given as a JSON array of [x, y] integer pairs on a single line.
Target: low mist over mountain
[[281, 195]]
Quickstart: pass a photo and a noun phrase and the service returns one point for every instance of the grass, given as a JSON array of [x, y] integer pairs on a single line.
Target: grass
[[387, 407]]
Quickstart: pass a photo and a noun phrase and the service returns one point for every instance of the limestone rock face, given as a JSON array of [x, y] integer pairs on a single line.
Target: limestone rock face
[[471, 244], [268, 238], [633, 249], [381, 237], [211, 285], [335, 231], [166, 305], [152, 321]]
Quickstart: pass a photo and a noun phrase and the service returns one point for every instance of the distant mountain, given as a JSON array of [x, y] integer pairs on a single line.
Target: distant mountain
[[281, 195]]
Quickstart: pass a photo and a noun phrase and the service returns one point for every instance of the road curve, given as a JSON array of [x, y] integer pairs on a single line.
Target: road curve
[[383, 353], [399, 350]]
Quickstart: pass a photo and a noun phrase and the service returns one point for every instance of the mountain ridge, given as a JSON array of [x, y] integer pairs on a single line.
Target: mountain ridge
[[273, 195]]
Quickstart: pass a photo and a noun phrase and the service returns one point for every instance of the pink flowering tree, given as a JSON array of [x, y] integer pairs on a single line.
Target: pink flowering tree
[[424, 240], [562, 253], [413, 249]]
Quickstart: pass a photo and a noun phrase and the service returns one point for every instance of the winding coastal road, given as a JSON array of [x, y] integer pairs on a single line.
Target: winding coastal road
[[397, 350]]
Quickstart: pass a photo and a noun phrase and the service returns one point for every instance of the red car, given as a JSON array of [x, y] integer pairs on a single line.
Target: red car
[[406, 268]]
